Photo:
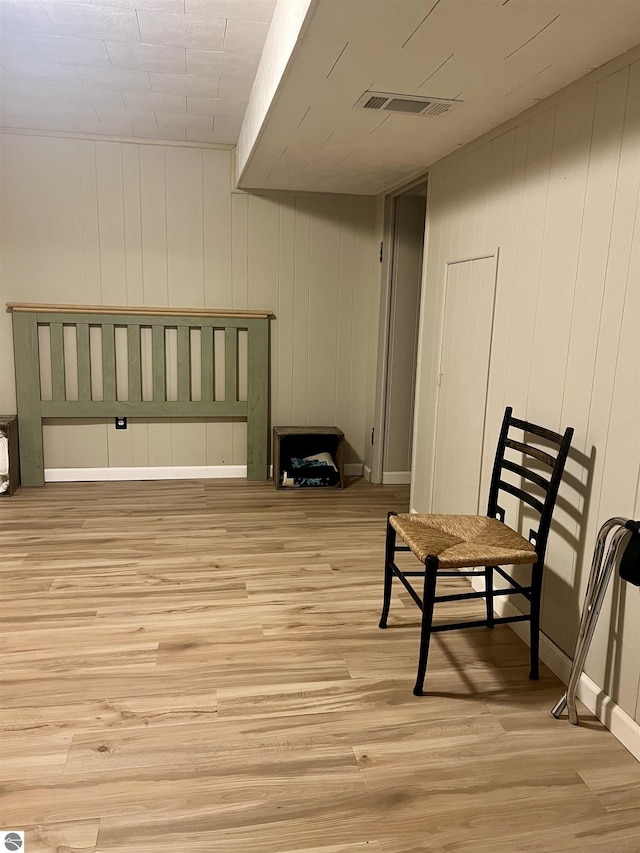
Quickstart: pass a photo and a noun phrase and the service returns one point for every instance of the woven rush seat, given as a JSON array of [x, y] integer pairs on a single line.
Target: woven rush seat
[[461, 541]]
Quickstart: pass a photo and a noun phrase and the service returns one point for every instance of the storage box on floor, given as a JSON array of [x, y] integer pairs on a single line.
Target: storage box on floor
[[308, 457]]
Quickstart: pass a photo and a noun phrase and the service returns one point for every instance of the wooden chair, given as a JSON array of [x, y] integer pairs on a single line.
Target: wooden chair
[[453, 545]]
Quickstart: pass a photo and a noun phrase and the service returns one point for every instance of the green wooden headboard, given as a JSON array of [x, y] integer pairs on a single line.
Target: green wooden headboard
[[32, 324]]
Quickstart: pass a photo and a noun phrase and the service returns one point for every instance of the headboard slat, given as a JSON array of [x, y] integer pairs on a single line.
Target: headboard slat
[[56, 342], [134, 362], [184, 365], [158, 366], [231, 365], [206, 364], [108, 362], [84, 361]]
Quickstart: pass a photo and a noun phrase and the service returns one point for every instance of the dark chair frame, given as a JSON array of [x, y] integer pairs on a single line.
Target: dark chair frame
[[538, 537]]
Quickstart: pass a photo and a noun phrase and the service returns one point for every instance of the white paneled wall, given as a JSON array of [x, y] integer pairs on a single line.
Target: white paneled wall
[[557, 192], [114, 224]]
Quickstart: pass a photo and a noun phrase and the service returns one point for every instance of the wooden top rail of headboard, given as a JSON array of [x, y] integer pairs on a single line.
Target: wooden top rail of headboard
[[35, 308]]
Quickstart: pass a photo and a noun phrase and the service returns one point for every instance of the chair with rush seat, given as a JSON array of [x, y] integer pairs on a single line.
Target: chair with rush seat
[[453, 545]]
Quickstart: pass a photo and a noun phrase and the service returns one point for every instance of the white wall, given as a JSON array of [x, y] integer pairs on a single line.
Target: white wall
[[557, 191], [115, 224]]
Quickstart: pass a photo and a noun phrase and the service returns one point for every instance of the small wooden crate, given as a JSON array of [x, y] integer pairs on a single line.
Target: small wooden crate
[[9, 425], [305, 441]]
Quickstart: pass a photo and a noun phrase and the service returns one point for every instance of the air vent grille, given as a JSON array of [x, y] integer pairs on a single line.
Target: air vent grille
[[408, 104], [400, 105], [375, 103]]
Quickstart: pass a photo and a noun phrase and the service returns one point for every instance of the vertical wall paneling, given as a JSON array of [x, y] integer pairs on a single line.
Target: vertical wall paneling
[[132, 223], [111, 221], [345, 309], [614, 395], [558, 266], [300, 331], [559, 195], [560, 243], [216, 201], [367, 300], [225, 269], [160, 225], [263, 265], [154, 224], [502, 168], [527, 270], [90, 226], [239, 249], [185, 278], [185, 237], [428, 344], [65, 186], [324, 274], [283, 352], [585, 317]]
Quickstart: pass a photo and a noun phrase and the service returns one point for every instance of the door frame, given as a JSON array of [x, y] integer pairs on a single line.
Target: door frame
[[385, 316]]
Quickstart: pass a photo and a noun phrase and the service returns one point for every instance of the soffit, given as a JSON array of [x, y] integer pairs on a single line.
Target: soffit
[[499, 56]]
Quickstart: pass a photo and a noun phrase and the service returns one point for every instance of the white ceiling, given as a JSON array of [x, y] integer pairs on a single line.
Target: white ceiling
[[182, 70], [178, 70], [498, 56]]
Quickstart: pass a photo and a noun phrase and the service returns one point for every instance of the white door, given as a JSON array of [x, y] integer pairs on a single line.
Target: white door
[[463, 380]]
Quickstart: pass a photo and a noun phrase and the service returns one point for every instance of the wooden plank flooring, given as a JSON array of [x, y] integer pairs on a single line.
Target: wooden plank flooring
[[196, 666]]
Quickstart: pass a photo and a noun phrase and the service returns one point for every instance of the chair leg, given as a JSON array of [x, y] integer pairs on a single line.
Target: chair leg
[[430, 576], [536, 594], [488, 585], [389, 553]]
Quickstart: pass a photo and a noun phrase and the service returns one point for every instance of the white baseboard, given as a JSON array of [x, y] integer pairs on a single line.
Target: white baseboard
[[177, 472], [396, 478], [366, 473], [184, 472], [353, 469], [622, 726]]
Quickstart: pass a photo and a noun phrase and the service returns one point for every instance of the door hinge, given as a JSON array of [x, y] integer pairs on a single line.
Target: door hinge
[[440, 380], [381, 247], [373, 430]]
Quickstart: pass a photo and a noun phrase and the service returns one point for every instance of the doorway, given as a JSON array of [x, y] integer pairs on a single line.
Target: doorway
[[405, 236]]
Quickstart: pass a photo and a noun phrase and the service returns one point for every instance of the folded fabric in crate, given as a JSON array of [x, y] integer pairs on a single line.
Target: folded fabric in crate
[[316, 470]]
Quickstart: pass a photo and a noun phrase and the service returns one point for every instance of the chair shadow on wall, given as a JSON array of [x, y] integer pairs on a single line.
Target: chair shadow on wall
[[573, 504]]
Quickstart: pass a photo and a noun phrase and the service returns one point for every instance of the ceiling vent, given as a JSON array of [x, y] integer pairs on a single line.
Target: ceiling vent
[[417, 105]]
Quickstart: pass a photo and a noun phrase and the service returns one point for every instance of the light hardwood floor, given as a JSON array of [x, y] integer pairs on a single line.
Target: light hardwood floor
[[196, 666]]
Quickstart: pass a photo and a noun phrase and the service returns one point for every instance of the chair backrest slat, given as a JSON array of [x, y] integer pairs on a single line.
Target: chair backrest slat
[[522, 495], [531, 451], [543, 432], [526, 473]]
